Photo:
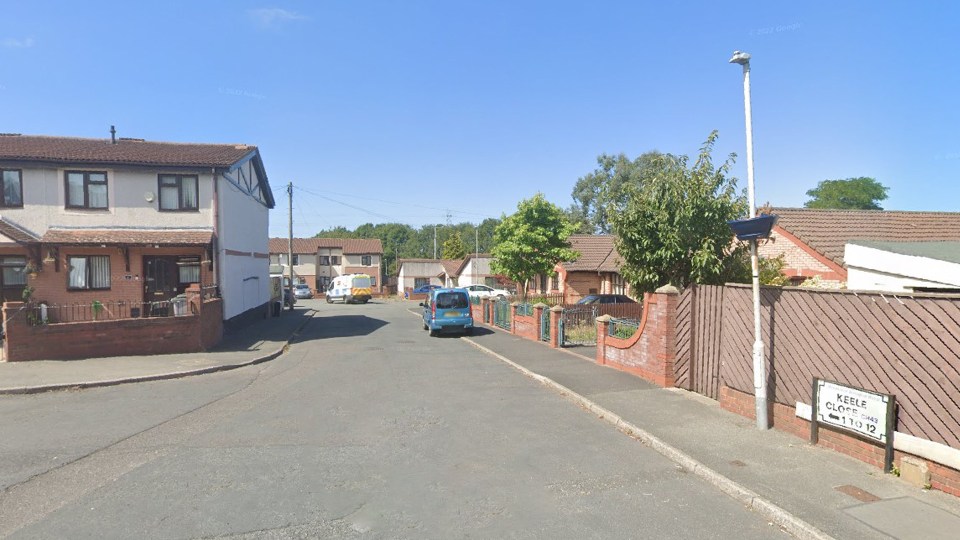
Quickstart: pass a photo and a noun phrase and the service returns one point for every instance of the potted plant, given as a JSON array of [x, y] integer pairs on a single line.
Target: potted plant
[[753, 228]]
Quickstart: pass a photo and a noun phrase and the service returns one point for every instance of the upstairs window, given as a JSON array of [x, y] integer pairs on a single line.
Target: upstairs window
[[324, 260], [178, 192], [335, 260], [365, 260], [86, 189], [89, 272], [12, 194]]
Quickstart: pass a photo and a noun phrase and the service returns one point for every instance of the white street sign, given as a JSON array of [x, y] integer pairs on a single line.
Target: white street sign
[[853, 409]]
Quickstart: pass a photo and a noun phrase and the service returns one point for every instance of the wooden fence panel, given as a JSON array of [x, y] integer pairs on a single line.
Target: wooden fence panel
[[698, 328], [903, 345]]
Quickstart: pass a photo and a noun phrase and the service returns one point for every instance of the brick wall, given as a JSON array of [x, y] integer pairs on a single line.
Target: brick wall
[[134, 336], [651, 352], [800, 262], [785, 419], [525, 326]]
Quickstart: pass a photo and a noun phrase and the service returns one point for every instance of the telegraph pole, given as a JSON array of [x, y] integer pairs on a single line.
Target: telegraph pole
[[290, 245]]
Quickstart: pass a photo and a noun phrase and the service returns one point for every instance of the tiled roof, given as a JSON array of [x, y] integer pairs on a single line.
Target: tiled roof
[[15, 233], [450, 266], [827, 231], [164, 237], [352, 246], [598, 253], [125, 151]]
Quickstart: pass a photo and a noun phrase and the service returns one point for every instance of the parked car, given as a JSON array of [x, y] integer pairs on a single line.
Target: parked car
[[447, 310], [302, 290], [606, 299], [484, 291], [425, 289]]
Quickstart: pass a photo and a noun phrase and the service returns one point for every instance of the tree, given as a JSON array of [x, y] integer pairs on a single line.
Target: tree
[[603, 192], [861, 193], [453, 247], [673, 227], [531, 241]]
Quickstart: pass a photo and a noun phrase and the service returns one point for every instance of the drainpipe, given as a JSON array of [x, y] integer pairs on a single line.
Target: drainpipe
[[215, 247]]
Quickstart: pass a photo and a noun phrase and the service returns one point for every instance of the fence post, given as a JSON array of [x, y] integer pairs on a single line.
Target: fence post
[[668, 298], [555, 313], [513, 317], [603, 328]]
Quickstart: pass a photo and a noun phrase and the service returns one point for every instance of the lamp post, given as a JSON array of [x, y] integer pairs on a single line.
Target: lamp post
[[759, 371]]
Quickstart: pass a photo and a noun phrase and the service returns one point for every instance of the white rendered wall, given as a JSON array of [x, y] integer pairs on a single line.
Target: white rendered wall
[[243, 228]]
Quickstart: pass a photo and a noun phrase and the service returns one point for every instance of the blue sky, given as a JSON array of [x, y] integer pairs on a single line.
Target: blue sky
[[411, 111]]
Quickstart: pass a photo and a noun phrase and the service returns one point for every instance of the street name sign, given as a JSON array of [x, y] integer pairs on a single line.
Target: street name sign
[[865, 413]]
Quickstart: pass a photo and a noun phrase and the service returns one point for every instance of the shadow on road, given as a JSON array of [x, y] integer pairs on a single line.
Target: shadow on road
[[334, 326]]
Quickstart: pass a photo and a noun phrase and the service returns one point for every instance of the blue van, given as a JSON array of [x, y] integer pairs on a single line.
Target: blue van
[[447, 310]]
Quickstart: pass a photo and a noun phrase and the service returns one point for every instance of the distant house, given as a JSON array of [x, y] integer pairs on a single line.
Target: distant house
[[316, 261], [813, 241], [595, 271], [474, 269], [903, 266], [415, 273]]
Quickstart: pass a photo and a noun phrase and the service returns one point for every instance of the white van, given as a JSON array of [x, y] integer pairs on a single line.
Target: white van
[[349, 288]]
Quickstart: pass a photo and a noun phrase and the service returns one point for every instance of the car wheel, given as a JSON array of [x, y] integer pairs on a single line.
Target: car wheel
[[329, 300], [425, 327], [433, 333]]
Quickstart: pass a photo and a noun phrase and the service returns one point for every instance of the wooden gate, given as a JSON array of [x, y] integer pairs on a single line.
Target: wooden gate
[[697, 367]]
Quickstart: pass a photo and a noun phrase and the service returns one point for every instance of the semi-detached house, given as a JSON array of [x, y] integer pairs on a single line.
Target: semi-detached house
[[129, 220]]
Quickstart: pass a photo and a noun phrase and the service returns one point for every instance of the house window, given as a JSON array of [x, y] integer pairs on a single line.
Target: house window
[[373, 281], [324, 260], [420, 282], [12, 193], [619, 285], [335, 260], [89, 272], [296, 259], [85, 189], [13, 278], [365, 260], [178, 192], [189, 270]]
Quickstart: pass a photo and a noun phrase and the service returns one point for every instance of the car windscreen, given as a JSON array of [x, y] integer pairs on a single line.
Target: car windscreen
[[452, 300]]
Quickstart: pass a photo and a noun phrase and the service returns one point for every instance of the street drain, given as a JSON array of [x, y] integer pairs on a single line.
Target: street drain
[[857, 493]]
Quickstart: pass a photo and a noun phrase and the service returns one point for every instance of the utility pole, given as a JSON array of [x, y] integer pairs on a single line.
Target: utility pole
[[434, 242], [290, 245]]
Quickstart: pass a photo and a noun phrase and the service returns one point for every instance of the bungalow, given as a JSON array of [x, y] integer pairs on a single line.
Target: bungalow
[[812, 241], [595, 271]]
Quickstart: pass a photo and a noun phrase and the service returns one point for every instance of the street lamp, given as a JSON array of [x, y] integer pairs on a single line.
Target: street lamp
[[759, 371]]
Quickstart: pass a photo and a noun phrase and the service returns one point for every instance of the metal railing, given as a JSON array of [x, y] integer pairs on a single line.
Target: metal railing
[[623, 328], [501, 314], [525, 310], [37, 314]]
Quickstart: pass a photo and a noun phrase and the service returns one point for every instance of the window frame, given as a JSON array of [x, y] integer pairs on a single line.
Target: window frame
[[180, 178], [335, 260], [3, 191], [86, 190], [366, 260], [88, 276], [324, 260]]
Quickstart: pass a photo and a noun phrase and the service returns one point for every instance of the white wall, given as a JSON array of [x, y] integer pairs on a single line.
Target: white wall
[[243, 227], [871, 269], [475, 271], [414, 269], [44, 201]]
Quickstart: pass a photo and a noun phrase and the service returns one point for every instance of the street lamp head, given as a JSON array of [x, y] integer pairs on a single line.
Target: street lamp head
[[741, 58]]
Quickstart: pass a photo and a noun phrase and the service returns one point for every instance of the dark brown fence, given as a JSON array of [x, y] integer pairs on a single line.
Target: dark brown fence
[[906, 345], [698, 337]]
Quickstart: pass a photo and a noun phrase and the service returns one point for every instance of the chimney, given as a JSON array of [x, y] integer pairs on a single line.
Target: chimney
[[113, 135]]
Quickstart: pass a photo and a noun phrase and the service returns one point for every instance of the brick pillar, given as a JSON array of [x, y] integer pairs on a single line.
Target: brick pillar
[[485, 306], [538, 318], [667, 299], [555, 312], [194, 298], [513, 317], [603, 327]]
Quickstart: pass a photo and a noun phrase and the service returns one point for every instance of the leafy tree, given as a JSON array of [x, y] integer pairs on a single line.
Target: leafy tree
[[453, 247], [531, 241], [673, 227], [604, 191], [861, 193]]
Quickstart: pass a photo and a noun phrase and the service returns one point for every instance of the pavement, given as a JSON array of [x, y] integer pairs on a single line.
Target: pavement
[[809, 491]]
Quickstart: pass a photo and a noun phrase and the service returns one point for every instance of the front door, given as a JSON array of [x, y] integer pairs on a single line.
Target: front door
[[160, 278]]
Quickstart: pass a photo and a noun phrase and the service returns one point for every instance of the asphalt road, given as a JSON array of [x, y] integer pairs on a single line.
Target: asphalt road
[[366, 428]]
